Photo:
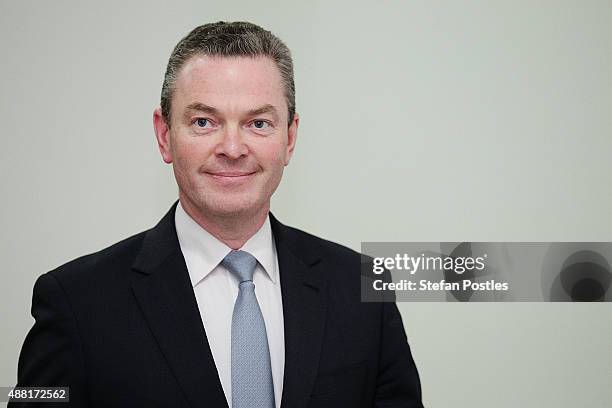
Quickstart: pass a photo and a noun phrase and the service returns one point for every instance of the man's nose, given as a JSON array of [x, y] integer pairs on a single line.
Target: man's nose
[[232, 143]]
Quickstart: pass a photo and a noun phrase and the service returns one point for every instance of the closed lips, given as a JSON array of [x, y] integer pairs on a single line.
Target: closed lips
[[230, 174]]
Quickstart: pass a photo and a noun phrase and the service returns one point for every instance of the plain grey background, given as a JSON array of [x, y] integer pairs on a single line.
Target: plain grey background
[[420, 121]]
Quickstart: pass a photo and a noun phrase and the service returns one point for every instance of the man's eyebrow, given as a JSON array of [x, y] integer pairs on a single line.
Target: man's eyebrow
[[264, 109], [202, 108]]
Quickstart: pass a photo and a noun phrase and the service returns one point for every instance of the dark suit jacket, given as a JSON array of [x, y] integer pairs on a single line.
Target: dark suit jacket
[[121, 327]]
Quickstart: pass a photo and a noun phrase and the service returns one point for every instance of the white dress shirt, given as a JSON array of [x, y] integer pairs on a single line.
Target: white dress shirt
[[216, 290]]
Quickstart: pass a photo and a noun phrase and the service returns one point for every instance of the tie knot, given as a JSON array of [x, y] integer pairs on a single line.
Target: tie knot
[[241, 264]]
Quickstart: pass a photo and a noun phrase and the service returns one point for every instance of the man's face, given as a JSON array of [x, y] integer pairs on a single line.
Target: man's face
[[229, 139]]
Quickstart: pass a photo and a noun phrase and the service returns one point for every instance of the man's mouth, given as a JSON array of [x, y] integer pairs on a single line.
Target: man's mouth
[[230, 173], [230, 177]]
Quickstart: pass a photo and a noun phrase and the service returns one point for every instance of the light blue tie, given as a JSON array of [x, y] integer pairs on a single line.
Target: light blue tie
[[252, 385]]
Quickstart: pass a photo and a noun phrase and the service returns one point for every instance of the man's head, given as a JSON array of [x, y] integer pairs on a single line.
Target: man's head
[[233, 39], [227, 118]]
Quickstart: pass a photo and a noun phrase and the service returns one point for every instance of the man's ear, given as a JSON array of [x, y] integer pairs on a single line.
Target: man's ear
[[162, 133], [292, 137]]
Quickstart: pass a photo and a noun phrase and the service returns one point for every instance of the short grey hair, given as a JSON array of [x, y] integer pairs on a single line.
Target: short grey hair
[[229, 39]]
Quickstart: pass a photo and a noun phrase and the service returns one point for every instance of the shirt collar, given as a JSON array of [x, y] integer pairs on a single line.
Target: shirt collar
[[203, 252]]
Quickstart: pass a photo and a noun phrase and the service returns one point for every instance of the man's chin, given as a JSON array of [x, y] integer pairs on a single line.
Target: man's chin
[[229, 209]]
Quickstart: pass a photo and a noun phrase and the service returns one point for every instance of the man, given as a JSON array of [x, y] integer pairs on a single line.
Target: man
[[220, 304]]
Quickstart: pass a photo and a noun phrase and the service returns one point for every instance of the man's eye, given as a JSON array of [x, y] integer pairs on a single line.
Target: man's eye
[[201, 122], [261, 124]]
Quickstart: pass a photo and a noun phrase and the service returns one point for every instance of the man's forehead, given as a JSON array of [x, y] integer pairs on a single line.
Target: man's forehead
[[236, 82], [231, 68]]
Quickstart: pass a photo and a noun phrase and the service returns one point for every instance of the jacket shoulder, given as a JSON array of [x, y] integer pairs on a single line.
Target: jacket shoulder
[[114, 258], [323, 248]]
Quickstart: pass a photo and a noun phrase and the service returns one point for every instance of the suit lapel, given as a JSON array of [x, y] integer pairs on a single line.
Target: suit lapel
[[304, 294], [168, 303]]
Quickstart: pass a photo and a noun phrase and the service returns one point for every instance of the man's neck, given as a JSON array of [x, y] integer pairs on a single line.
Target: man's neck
[[233, 230]]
